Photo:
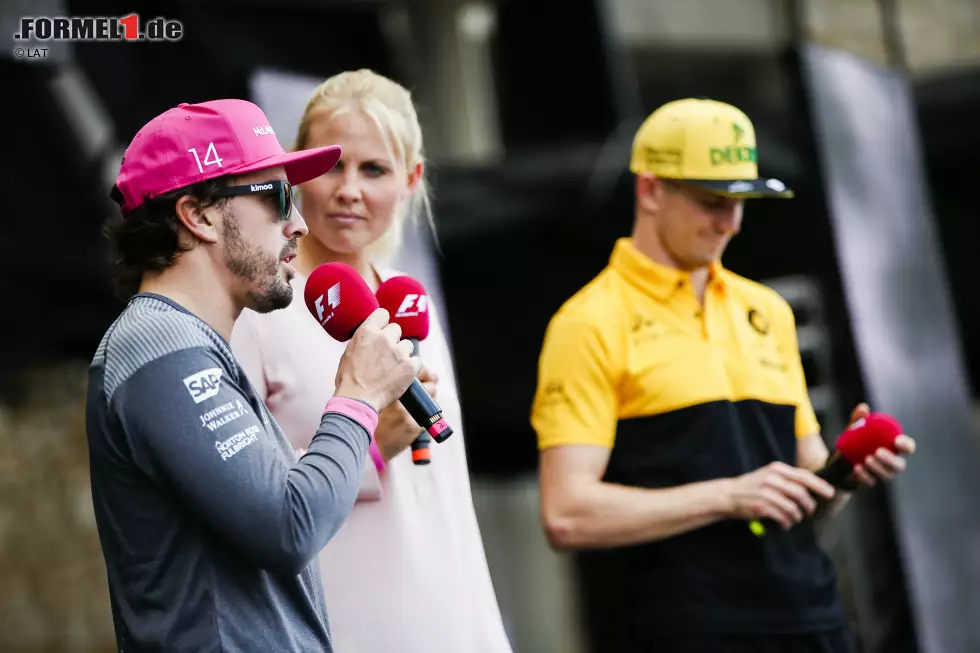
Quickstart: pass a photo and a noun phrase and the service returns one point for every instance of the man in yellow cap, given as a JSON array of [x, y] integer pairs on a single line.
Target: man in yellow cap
[[672, 410]]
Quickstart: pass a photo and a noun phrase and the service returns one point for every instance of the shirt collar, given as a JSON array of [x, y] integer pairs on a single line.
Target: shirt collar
[[653, 278]]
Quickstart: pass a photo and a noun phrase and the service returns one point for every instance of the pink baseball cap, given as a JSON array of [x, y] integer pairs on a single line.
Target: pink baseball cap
[[196, 142]]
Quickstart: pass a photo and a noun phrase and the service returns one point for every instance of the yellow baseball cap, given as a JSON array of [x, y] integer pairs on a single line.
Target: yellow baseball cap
[[703, 143]]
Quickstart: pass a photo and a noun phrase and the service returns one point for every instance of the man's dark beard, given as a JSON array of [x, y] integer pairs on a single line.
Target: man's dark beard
[[252, 265]]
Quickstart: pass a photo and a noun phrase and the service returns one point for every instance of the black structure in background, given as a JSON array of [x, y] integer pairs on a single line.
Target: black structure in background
[[55, 294], [223, 42], [947, 107], [557, 81], [905, 334]]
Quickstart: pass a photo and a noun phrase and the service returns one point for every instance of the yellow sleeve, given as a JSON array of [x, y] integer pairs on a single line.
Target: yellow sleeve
[[576, 400], [806, 419]]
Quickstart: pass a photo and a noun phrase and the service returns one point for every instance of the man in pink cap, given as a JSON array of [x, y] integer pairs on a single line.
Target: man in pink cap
[[209, 525]]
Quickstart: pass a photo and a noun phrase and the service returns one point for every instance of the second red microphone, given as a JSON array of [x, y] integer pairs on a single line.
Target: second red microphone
[[407, 303]]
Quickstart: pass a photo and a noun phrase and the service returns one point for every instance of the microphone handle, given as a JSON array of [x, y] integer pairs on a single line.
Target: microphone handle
[[836, 471], [423, 408], [425, 411], [420, 446]]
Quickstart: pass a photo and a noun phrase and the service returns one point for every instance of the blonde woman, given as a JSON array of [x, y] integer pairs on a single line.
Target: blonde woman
[[406, 572]]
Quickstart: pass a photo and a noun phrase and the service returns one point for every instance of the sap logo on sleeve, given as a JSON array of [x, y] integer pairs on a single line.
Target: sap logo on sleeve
[[204, 385]]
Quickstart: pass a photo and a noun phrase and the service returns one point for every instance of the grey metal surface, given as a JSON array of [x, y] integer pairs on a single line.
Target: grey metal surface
[[905, 334]]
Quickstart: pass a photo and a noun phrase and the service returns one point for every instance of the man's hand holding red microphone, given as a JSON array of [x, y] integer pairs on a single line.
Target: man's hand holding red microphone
[[344, 306], [397, 429], [868, 451]]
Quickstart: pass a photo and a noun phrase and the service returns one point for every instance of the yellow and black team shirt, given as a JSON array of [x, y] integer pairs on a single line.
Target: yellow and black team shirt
[[682, 394]]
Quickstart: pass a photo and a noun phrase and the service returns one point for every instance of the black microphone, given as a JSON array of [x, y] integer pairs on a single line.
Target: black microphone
[[421, 455], [425, 411], [837, 471]]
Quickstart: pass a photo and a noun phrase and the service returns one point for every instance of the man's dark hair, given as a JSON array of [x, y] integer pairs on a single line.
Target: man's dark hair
[[148, 239]]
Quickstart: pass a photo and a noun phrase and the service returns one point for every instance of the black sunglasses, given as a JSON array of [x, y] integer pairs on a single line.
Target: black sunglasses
[[283, 188]]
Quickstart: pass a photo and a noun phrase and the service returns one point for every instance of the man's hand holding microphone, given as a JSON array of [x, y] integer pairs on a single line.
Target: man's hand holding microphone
[[868, 451], [778, 492], [379, 365], [376, 368]]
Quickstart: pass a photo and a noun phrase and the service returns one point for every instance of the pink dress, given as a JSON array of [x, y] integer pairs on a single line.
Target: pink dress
[[407, 572]]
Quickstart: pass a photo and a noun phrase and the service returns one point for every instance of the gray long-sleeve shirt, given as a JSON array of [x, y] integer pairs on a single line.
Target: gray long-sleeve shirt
[[209, 526]]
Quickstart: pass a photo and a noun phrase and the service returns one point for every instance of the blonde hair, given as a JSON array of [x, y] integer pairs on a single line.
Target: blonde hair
[[390, 106]]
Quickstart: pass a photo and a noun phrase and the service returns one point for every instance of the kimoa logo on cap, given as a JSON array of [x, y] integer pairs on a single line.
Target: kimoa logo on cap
[[732, 154], [263, 130]]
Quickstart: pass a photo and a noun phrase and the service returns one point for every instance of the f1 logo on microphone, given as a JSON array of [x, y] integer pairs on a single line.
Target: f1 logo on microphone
[[412, 305], [333, 301]]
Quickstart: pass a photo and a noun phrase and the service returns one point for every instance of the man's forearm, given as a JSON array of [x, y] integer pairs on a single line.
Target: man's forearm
[[319, 494], [606, 515]]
